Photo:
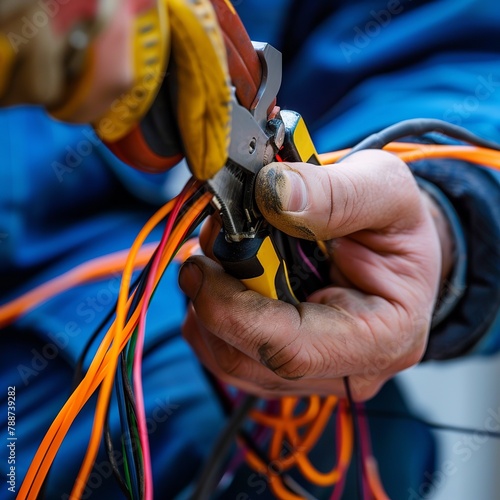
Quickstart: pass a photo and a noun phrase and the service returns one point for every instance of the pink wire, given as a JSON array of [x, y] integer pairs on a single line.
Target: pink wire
[[139, 349], [365, 445], [339, 487]]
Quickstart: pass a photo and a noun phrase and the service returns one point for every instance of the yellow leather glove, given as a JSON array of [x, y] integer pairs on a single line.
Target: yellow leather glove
[[104, 61]]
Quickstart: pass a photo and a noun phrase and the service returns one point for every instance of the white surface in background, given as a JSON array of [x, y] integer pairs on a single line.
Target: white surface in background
[[463, 393]]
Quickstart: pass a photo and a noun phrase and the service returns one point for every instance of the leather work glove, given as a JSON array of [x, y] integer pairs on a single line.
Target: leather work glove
[[191, 114], [109, 62]]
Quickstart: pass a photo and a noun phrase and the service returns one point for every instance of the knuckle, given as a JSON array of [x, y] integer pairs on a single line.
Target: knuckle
[[291, 362], [271, 387], [364, 389], [230, 365], [368, 392]]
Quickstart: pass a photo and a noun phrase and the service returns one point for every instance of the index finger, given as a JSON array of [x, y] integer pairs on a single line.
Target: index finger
[[308, 340]]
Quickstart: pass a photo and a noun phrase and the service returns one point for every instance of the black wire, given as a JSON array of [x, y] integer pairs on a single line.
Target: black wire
[[128, 390], [357, 439], [112, 460], [131, 417], [78, 372], [210, 475], [431, 425], [108, 440], [419, 127], [139, 286], [227, 406], [78, 376]]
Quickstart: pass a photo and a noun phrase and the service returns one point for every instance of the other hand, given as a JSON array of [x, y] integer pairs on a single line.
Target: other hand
[[389, 247]]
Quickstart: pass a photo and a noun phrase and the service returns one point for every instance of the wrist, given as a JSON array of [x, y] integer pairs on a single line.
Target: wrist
[[444, 233], [453, 250]]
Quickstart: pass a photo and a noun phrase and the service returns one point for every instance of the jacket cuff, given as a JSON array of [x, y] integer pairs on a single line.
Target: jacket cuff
[[470, 299]]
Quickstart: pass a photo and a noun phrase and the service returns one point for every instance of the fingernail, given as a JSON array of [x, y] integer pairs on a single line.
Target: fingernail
[[190, 279], [294, 193]]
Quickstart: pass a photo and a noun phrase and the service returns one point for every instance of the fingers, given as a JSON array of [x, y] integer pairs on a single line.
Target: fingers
[[369, 190], [312, 340], [243, 372]]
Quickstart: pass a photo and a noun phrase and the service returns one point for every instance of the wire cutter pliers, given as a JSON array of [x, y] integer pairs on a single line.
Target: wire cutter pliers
[[266, 260]]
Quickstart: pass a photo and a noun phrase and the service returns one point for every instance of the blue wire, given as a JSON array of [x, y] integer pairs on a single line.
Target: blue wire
[[122, 408]]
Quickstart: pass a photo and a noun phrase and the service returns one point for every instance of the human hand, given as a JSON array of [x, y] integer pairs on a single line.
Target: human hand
[[54, 52], [105, 61], [386, 242]]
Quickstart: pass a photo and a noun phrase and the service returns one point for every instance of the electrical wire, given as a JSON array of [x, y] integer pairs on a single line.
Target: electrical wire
[[357, 439], [94, 269], [81, 359], [103, 364], [210, 474], [125, 397], [131, 311], [126, 424], [431, 425], [370, 467], [339, 486], [105, 391], [139, 348], [410, 152], [419, 127], [285, 429], [114, 464]]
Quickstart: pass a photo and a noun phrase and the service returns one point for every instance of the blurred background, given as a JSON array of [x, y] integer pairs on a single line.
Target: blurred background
[[463, 393]]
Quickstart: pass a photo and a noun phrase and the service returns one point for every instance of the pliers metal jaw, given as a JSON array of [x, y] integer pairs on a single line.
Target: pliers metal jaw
[[255, 141], [248, 247]]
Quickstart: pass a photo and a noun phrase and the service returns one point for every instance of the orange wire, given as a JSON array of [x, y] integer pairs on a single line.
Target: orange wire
[[480, 156], [272, 420], [107, 384], [285, 428], [409, 152], [35, 475], [100, 367], [94, 269], [373, 479], [103, 366], [180, 231]]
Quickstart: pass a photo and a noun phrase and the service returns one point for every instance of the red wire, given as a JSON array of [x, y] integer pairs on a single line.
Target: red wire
[[139, 349]]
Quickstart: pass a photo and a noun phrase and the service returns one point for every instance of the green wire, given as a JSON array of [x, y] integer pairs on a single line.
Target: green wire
[[125, 467], [130, 352]]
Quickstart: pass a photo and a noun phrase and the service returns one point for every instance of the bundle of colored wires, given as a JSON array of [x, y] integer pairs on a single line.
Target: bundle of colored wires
[[119, 355], [102, 370], [302, 433]]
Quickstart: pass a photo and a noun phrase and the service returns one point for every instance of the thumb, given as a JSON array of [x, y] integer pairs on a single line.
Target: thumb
[[371, 189]]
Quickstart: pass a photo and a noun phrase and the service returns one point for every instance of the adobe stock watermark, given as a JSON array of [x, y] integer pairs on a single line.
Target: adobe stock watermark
[[86, 312], [486, 86], [125, 105], [37, 20], [76, 154], [463, 449], [364, 35], [258, 482]]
